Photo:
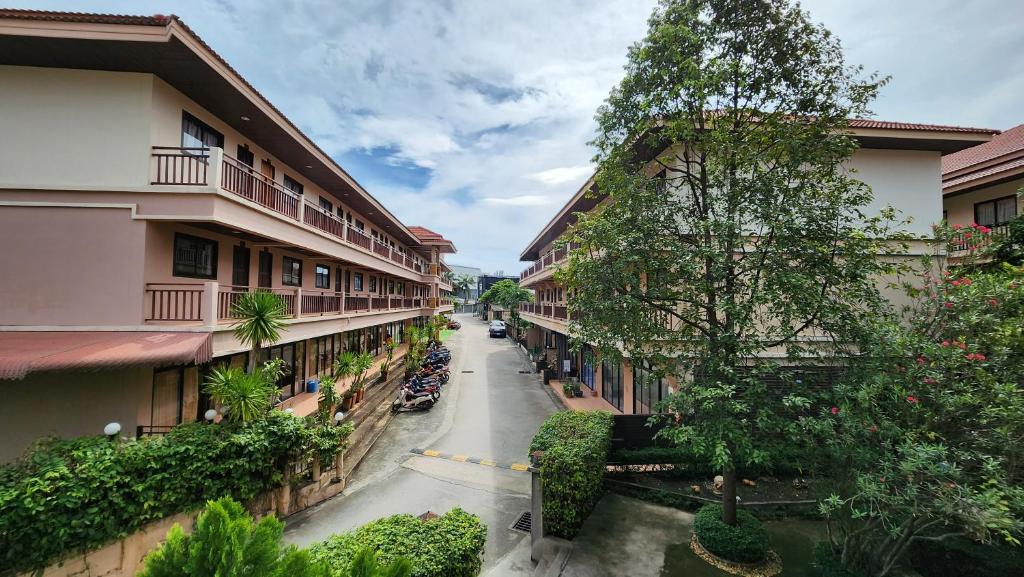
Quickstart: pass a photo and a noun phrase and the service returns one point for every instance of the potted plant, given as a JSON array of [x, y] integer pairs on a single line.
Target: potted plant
[[347, 400], [567, 389], [362, 364], [385, 367]]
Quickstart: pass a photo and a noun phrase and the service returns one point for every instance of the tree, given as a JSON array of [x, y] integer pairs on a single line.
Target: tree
[[928, 430], [508, 295], [260, 317], [244, 396], [732, 229], [462, 284], [227, 543]]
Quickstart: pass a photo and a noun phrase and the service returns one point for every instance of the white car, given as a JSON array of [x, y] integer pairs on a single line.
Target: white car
[[496, 329]]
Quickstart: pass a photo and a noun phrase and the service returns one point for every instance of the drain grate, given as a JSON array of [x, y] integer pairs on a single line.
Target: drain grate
[[523, 523], [525, 372], [467, 371]]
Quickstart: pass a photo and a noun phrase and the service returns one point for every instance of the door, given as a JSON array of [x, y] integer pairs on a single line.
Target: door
[[265, 189], [265, 270], [240, 267], [245, 158], [165, 411]]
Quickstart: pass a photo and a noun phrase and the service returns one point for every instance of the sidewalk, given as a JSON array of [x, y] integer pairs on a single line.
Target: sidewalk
[[588, 402]]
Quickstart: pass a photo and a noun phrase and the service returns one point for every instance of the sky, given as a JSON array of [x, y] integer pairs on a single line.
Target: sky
[[472, 117]]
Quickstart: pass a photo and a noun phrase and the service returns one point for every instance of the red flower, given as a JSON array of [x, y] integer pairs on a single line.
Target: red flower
[[956, 283], [957, 226], [966, 281], [912, 399], [949, 305], [945, 343], [835, 410], [993, 302], [984, 229], [873, 429], [961, 344], [920, 360]]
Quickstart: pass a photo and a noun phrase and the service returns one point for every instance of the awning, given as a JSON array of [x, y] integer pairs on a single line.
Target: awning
[[26, 352]]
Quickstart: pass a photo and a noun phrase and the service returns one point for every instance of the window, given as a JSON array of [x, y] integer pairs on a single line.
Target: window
[[245, 155], [295, 186], [373, 284], [357, 282], [197, 134], [291, 271], [391, 287], [611, 384], [291, 374], [322, 277], [359, 225], [337, 280], [649, 389], [348, 281], [995, 212], [326, 205], [194, 257]]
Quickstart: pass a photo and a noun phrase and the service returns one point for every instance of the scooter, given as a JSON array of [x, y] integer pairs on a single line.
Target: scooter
[[407, 400]]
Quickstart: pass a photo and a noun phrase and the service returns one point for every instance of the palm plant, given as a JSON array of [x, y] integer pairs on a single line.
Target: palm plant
[[462, 284], [328, 398], [344, 365], [363, 362], [385, 367], [243, 396], [260, 317]]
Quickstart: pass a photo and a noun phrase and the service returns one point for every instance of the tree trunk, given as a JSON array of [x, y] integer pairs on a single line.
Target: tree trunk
[[253, 354], [729, 495]]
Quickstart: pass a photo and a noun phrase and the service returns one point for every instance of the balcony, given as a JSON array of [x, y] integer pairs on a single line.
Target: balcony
[[546, 261], [550, 310], [212, 304], [968, 238], [173, 166]]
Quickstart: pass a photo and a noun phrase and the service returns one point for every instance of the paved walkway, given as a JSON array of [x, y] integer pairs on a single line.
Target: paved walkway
[[489, 411]]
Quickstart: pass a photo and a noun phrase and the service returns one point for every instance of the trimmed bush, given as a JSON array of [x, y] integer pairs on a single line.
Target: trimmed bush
[[575, 445], [747, 542], [447, 546], [75, 495]]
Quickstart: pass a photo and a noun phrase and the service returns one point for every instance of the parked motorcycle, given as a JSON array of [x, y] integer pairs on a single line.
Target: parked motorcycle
[[408, 400]]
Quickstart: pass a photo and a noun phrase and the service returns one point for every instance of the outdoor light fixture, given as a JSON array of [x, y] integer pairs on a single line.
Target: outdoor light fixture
[[289, 410], [245, 118], [112, 429], [338, 417], [210, 414]]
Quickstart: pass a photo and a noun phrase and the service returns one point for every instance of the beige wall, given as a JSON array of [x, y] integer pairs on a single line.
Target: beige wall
[[908, 180], [70, 404], [73, 127], [960, 207], [71, 266]]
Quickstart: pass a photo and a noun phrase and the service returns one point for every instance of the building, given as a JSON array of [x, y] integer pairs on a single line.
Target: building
[[981, 184], [148, 186], [900, 162], [492, 312], [471, 295]]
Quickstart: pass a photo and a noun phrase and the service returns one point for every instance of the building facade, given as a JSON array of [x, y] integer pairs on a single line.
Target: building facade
[[150, 186], [900, 162], [981, 185]]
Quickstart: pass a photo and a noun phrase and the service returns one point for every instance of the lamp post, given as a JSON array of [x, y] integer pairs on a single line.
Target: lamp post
[[339, 458], [210, 415], [111, 430]]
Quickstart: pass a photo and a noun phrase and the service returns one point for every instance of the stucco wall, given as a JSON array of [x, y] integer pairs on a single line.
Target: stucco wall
[[71, 266], [73, 127], [70, 405], [960, 207], [908, 180]]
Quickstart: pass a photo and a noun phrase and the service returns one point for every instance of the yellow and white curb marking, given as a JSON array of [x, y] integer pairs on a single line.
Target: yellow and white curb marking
[[475, 460]]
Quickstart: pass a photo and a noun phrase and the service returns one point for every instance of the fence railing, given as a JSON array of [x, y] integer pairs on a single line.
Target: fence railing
[[321, 303], [970, 239], [243, 180], [174, 302], [181, 166]]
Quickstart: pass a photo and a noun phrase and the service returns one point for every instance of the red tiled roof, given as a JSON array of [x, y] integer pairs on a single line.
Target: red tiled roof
[[92, 18], [425, 233], [1008, 142], [885, 124], [22, 353]]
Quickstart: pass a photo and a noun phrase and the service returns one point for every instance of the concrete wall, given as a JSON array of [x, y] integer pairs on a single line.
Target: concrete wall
[[73, 127], [908, 180], [960, 207], [71, 266], [70, 404]]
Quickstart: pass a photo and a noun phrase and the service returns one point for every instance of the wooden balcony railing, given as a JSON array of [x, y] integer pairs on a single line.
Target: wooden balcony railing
[[227, 295], [182, 166], [357, 304], [174, 302], [379, 303], [560, 312], [245, 181], [358, 238], [319, 303], [381, 249], [545, 310], [320, 219]]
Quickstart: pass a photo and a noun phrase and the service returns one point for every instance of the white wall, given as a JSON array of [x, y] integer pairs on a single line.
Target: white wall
[[73, 127], [908, 180]]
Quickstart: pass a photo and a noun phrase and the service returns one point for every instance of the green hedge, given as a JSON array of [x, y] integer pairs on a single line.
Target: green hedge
[[746, 542], [575, 445], [447, 546], [74, 495], [782, 461]]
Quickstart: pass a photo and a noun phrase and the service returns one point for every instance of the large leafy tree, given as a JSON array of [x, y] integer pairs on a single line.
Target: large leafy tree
[[509, 295], [732, 230], [462, 284]]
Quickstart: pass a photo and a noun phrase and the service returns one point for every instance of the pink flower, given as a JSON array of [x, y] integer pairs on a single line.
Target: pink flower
[[957, 226], [965, 281], [912, 399], [929, 381], [993, 302], [956, 283], [984, 229], [920, 360], [945, 343], [962, 345], [873, 429], [835, 410]]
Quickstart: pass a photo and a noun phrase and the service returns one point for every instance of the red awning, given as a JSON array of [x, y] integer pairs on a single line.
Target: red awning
[[22, 353]]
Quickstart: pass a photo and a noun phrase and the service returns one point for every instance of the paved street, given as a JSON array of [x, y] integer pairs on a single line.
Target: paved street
[[489, 410]]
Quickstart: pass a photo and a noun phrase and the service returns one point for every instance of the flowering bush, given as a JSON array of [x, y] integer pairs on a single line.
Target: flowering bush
[[930, 422]]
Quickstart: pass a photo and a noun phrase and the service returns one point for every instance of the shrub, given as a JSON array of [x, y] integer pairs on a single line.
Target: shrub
[[747, 542], [447, 546], [962, 556], [227, 542], [827, 564], [74, 495], [575, 445]]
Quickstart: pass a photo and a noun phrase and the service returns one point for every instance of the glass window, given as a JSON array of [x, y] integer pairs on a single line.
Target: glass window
[[359, 225], [197, 134], [326, 205], [357, 282], [291, 271], [995, 212], [266, 265], [337, 280], [373, 284], [323, 276], [648, 389], [295, 186], [194, 257], [611, 383]]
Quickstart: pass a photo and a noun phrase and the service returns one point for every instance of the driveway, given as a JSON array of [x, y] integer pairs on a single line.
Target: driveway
[[489, 411]]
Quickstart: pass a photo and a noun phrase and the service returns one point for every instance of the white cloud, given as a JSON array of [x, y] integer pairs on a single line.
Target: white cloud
[[523, 200], [562, 175]]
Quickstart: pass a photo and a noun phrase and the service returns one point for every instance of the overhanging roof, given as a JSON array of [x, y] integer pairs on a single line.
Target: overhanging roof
[[22, 353], [166, 47]]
